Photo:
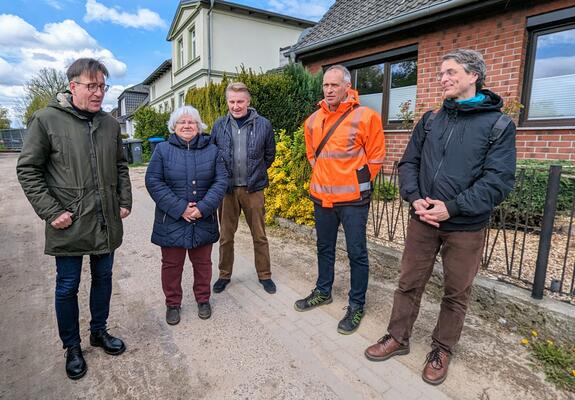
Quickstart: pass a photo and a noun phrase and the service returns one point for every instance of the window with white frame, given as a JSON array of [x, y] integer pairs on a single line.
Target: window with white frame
[[180, 52], [180, 99], [193, 44]]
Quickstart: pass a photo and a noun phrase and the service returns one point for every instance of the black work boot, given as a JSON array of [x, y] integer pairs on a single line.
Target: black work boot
[[76, 366], [111, 345]]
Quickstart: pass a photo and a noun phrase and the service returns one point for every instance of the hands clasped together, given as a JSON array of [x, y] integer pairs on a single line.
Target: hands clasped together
[[192, 212], [431, 211]]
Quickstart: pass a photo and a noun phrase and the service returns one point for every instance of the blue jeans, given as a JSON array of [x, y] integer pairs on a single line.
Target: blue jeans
[[69, 269], [354, 221]]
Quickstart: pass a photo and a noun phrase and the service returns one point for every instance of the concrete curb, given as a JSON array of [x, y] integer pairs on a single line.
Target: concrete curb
[[493, 300]]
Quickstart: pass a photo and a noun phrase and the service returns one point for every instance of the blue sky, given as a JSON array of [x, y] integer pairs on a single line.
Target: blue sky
[[129, 36]]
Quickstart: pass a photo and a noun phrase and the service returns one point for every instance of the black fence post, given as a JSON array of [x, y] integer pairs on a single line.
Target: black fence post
[[546, 231]]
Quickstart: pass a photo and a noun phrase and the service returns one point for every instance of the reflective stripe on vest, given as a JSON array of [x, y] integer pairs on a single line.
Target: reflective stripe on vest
[[342, 154], [316, 187], [354, 128]]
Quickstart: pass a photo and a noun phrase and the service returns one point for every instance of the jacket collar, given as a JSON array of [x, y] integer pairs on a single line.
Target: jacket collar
[[351, 100]]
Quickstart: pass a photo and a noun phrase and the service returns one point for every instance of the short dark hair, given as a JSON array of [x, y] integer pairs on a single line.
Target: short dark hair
[[90, 66]]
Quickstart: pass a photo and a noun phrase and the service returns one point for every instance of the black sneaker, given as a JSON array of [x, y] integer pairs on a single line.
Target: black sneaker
[[315, 299], [269, 285], [172, 315], [220, 285], [350, 321], [204, 310], [75, 364]]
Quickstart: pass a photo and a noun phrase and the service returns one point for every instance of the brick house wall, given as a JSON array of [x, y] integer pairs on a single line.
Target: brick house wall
[[503, 40]]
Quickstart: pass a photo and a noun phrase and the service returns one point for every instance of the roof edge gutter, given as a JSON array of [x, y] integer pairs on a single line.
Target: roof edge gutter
[[447, 5]]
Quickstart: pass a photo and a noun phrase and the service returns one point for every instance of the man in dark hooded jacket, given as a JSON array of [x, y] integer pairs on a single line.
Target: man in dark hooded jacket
[[458, 166], [74, 173]]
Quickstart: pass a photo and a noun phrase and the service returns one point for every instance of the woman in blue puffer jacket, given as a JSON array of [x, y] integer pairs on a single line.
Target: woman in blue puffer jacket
[[187, 179]]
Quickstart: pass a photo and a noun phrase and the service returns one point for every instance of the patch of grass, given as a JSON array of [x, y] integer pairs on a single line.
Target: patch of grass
[[142, 164], [556, 361]]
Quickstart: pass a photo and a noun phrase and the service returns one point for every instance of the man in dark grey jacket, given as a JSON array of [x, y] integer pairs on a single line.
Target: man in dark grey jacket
[[246, 141], [74, 173], [458, 166]]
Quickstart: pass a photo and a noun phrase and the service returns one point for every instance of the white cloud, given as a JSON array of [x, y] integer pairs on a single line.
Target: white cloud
[[554, 66], [144, 18], [24, 50], [54, 4], [111, 99], [301, 8]]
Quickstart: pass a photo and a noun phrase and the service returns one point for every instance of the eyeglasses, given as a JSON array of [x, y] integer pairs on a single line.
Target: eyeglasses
[[93, 87], [186, 123]]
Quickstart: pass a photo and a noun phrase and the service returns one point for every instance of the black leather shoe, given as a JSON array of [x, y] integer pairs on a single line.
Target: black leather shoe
[[76, 366], [269, 285], [220, 285], [111, 345]]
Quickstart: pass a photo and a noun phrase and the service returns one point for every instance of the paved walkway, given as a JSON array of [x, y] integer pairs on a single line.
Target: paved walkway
[[336, 359]]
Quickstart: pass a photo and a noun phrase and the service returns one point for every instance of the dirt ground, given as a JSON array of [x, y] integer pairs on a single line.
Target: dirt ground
[[232, 355]]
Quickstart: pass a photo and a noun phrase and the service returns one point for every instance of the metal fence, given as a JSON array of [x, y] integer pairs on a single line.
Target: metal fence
[[12, 139], [530, 241]]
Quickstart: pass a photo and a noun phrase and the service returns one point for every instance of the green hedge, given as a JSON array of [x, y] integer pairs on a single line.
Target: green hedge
[[150, 123], [286, 97], [527, 201]]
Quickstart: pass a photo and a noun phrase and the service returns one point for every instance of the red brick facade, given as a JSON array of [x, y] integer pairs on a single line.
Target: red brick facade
[[503, 40]]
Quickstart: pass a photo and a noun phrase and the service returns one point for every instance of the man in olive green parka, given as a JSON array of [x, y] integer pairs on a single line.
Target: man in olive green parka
[[74, 173]]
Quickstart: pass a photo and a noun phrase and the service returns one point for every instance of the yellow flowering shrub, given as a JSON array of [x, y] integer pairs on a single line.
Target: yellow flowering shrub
[[287, 194]]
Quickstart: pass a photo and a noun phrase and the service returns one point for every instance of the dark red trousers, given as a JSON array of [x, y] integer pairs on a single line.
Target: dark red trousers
[[173, 259]]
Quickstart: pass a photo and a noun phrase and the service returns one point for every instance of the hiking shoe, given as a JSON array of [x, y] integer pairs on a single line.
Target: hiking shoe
[[350, 321], [315, 299], [220, 285], [269, 285], [204, 310], [436, 364], [173, 315], [385, 348]]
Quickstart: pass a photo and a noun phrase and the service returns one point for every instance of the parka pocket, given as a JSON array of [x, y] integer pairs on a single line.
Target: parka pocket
[[71, 199]]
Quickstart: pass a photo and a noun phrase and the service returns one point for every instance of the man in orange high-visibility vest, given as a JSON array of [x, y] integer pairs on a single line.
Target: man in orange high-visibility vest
[[345, 147]]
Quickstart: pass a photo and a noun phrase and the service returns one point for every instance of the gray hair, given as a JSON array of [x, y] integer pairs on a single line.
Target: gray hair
[[89, 66], [238, 87], [342, 69], [472, 62], [185, 110]]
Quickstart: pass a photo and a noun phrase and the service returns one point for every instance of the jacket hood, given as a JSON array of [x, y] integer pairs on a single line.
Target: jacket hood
[[492, 102], [351, 100], [198, 142], [63, 101]]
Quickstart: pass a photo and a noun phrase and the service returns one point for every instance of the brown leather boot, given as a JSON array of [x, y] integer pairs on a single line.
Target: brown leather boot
[[385, 348], [436, 365]]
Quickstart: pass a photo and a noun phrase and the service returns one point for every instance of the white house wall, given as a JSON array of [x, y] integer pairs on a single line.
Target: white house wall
[[163, 90], [238, 39]]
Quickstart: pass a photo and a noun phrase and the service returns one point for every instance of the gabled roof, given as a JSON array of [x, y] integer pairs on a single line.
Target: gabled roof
[[163, 68], [348, 19], [237, 8]]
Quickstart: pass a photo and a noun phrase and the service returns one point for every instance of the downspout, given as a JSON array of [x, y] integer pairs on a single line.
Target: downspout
[[210, 41]]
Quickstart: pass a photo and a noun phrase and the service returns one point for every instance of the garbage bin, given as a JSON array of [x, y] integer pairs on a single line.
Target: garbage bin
[[126, 150], [135, 150], [153, 142]]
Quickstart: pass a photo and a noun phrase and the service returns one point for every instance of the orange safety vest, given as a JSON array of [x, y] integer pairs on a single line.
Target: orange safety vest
[[339, 174]]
